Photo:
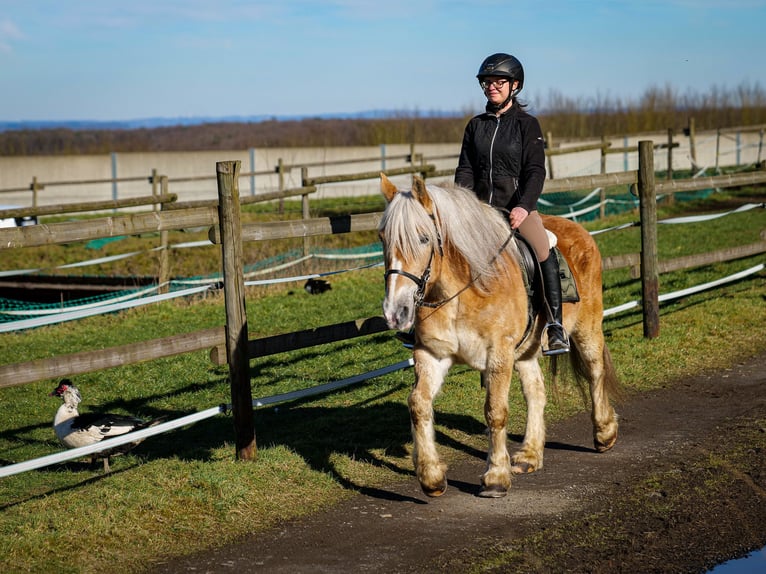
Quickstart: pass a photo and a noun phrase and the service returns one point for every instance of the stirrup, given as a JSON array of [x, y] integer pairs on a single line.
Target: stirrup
[[557, 350]]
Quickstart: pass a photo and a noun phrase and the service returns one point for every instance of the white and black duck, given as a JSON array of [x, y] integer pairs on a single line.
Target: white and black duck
[[75, 430]]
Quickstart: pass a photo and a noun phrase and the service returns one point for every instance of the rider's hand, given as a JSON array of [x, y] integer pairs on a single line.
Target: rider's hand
[[518, 215]]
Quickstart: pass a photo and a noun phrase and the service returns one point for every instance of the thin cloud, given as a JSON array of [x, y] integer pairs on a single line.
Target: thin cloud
[[9, 33]]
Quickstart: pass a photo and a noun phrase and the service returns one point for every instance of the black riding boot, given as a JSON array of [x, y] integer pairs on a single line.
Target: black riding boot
[[557, 340]]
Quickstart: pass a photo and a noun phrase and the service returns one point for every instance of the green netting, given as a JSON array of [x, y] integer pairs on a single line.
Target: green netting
[[99, 243], [564, 203], [571, 202], [14, 310]]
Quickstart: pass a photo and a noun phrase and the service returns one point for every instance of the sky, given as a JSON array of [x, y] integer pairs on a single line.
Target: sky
[[108, 60]]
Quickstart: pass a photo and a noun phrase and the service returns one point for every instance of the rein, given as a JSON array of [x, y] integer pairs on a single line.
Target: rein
[[423, 279], [437, 304]]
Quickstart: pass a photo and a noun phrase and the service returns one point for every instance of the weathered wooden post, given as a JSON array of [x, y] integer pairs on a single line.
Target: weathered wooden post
[[602, 194], [35, 187], [164, 276], [153, 181], [669, 175], [648, 207], [717, 150], [227, 173], [305, 211], [281, 180], [692, 143]]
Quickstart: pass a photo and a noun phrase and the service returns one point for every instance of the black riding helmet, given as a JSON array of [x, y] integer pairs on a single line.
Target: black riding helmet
[[504, 66]]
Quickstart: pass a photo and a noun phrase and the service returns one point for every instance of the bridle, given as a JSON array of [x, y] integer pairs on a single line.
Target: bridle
[[421, 281]]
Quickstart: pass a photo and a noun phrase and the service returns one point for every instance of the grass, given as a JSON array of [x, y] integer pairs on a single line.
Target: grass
[[183, 491]]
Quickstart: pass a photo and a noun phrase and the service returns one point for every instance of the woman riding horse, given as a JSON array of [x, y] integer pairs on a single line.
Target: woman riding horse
[[502, 160]]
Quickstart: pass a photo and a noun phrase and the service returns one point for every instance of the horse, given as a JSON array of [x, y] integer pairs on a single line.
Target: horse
[[453, 274]]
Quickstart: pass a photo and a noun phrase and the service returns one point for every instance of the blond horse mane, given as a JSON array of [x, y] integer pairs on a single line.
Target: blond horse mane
[[467, 226]]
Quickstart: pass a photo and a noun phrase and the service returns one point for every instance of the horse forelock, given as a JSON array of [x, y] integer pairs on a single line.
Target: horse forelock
[[405, 222], [466, 225]]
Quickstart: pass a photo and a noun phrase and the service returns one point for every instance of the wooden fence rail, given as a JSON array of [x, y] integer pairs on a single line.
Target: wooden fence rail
[[89, 361], [86, 230], [89, 206]]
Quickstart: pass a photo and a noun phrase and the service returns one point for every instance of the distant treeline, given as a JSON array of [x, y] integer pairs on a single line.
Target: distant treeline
[[656, 110]]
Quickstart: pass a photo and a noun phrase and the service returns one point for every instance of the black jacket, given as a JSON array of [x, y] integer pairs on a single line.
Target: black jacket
[[503, 159]]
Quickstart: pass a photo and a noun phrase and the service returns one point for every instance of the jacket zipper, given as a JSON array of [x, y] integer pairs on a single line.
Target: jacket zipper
[[491, 161]]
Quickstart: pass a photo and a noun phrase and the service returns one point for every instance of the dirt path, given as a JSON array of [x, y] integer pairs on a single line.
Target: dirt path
[[585, 512]]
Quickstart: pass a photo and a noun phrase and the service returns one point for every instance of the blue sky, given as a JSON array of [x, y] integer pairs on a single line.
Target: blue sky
[[132, 59]]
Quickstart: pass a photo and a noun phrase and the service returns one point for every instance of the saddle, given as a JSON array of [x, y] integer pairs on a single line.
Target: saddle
[[531, 271]]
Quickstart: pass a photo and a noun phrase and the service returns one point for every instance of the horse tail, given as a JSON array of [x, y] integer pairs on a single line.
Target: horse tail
[[579, 368], [611, 381]]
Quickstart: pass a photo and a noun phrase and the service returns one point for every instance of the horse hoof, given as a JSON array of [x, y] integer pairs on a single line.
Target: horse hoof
[[523, 468], [435, 492], [495, 491], [603, 447]]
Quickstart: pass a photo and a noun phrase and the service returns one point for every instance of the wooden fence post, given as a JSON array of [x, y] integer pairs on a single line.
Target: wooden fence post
[[281, 172], [227, 173], [717, 150], [669, 174], [164, 276], [602, 193], [692, 144], [305, 211], [35, 187], [648, 208]]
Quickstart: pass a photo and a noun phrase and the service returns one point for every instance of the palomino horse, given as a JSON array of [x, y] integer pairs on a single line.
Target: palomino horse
[[453, 273]]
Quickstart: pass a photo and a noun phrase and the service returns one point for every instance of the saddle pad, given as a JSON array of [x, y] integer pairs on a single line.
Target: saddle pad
[[569, 292]]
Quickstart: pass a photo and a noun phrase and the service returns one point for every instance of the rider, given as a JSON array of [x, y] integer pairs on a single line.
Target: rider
[[502, 160]]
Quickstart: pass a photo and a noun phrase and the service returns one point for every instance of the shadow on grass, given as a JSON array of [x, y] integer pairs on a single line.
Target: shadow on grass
[[375, 430]]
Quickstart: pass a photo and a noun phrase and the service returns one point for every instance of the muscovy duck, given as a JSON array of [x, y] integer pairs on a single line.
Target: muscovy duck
[[76, 430]]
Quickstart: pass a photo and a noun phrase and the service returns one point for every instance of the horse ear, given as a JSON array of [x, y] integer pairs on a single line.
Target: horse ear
[[387, 188], [420, 193]]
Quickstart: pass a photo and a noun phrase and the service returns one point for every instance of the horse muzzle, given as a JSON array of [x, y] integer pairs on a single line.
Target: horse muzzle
[[399, 311]]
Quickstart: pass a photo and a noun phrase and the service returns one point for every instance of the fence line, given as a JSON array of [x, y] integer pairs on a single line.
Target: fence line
[[281, 169], [71, 454], [609, 263], [238, 347]]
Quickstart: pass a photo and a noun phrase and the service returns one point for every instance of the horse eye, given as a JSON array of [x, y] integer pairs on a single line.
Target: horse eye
[[424, 239]]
